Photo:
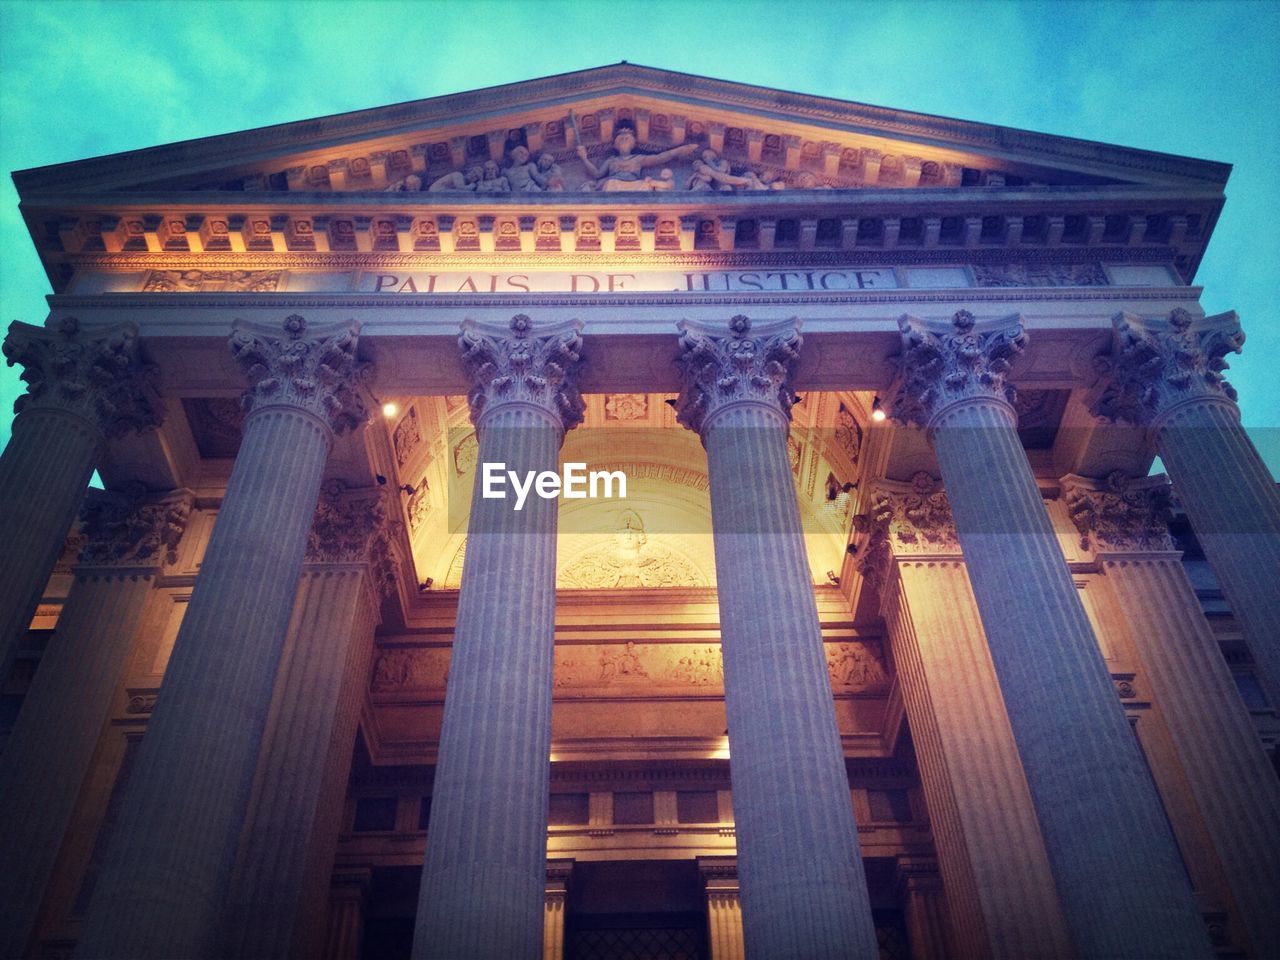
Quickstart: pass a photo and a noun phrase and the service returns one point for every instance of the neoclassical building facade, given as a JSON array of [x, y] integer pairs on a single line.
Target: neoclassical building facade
[[892, 647]]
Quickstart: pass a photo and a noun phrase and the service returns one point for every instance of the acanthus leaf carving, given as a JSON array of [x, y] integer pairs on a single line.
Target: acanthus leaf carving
[[345, 527], [524, 367], [320, 374], [1120, 514], [719, 370], [133, 530], [1155, 365], [99, 376], [938, 368], [905, 520]]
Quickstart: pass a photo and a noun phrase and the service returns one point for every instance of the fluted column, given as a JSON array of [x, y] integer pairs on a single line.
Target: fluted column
[[724, 907], [485, 865], [803, 888], [920, 889], [1124, 523], [278, 896], [1120, 879], [346, 914], [82, 389], [555, 896], [49, 750], [999, 888], [168, 865], [1166, 375]]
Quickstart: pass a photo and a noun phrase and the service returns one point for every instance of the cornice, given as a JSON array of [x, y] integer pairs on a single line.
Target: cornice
[[618, 79], [400, 302]]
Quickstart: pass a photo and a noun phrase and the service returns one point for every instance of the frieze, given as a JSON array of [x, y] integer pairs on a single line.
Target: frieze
[[629, 670], [213, 281], [1035, 275], [407, 436], [133, 530]]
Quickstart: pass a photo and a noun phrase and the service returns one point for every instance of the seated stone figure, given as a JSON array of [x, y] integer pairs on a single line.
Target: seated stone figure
[[625, 169], [523, 174], [457, 181]]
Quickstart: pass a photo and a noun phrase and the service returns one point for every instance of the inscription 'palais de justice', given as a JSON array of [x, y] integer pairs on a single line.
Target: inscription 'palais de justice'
[[664, 281]]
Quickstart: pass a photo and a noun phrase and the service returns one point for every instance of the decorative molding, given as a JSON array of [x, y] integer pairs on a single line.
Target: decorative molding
[[904, 521], [1156, 365], [100, 376], [320, 374], [718, 371], [625, 407], [938, 368], [134, 530], [345, 526], [1120, 514], [1049, 275], [523, 367]]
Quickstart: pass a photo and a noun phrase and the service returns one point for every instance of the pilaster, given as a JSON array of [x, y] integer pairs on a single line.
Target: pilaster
[[554, 897], [1123, 523], [1165, 376], [1093, 795], [724, 907], [483, 883], [170, 860], [129, 541], [920, 890], [999, 888], [347, 894], [790, 790], [81, 390]]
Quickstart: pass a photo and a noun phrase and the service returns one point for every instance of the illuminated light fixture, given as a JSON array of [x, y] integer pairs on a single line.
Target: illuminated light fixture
[[877, 411], [389, 410]]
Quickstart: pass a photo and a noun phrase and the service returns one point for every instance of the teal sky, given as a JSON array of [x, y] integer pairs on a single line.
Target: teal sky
[[1198, 79]]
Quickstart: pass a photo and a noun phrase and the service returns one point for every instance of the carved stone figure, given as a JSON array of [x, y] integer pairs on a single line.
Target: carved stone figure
[[524, 175], [492, 180], [621, 664], [410, 184], [457, 182], [624, 170], [550, 172], [705, 170]]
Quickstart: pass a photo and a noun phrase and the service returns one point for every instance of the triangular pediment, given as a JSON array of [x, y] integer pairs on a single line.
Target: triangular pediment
[[758, 138]]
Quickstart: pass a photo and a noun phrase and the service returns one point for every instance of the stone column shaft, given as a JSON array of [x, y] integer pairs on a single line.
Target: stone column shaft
[[48, 753], [44, 471], [1234, 507], [484, 871], [803, 887], [166, 875], [1124, 522], [80, 391], [1120, 878], [1166, 375], [999, 887], [279, 893]]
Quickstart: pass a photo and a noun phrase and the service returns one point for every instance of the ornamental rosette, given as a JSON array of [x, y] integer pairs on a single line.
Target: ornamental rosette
[[320, 374], [940, 367], [1120, 514], [905, 519], [100, 376], [1156, 364], [525, 366], [720, 368], [134, 530]]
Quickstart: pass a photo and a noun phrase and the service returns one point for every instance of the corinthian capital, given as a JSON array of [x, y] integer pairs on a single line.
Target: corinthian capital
[[345, 526], [100, 376], [522, 366], [134, 530], [722, 368], [1156, 364], [939, 367], [319, 373], [1120, 514], [905, 519]]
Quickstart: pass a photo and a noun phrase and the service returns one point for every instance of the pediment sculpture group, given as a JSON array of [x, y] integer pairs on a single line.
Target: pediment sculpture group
[[624, 169]]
